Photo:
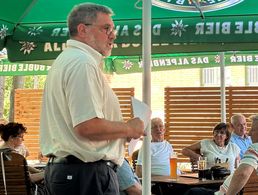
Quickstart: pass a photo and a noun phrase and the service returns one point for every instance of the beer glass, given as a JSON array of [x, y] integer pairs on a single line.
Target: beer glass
[[173, 166]]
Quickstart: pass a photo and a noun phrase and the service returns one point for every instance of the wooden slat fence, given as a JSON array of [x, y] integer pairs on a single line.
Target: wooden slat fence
[[27, 106], [192, 112]]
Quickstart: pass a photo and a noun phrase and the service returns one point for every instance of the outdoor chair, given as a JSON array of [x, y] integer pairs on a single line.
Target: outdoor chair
[[194, 165], [14, 174], [134, 159]]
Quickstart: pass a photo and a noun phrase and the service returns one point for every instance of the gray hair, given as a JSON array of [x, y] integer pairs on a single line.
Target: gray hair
[[85, 13], [155, 121], [235, 117]]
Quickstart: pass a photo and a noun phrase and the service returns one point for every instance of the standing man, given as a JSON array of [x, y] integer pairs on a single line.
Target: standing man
[[239, 135], [81, 126]]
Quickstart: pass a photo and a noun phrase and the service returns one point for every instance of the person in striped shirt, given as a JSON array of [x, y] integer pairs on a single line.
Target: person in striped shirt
[[232, 185]]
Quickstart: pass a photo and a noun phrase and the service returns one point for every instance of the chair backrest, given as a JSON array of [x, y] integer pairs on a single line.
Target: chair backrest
[[134, 158], [251, 187], [194, 165], [14, 175]]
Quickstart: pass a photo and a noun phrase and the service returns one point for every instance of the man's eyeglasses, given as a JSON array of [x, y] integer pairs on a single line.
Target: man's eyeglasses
[[107, 29]]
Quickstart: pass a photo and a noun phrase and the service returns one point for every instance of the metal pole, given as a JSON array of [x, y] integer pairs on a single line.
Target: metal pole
[[146, 50], [222, 87]]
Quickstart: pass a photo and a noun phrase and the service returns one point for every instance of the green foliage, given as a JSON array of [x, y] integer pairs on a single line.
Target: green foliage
[[29, 81], [7, 91]]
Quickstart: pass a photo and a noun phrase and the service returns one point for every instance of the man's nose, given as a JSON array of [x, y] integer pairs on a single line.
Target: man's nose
[[159, 128]]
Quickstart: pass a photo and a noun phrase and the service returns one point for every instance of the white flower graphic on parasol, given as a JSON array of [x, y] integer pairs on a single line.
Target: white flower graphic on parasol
[[127, 65], [3, 31], [217, 59], [33, 31], [27, 47], [178, 28]]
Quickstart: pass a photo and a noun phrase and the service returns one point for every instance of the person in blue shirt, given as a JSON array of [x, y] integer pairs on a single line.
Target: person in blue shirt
[[239, 135], [128, 181]]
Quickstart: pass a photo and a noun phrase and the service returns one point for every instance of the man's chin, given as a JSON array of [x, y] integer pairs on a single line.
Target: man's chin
[[107, 53]]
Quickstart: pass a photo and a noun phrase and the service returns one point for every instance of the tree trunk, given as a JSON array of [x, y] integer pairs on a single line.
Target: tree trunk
[[35, 82], [18, 82], [2, 82]]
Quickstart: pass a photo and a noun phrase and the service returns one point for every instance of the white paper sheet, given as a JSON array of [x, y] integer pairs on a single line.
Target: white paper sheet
[[143, 111]]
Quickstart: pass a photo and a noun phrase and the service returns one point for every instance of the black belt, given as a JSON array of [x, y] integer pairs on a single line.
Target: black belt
[[74, 160]]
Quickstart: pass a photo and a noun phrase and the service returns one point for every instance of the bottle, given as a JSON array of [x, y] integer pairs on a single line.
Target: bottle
[[173, 166]]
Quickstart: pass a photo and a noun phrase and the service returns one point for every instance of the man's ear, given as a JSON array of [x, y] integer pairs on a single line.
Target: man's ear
[[231, 127], [82, 30]]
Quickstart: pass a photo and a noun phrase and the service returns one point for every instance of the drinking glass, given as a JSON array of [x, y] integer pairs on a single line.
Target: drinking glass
[[173, 166], [202, 168]]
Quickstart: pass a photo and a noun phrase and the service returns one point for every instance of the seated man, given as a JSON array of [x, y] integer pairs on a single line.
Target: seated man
[[239, 135], [248, 164], [128, 181], [161, 151]]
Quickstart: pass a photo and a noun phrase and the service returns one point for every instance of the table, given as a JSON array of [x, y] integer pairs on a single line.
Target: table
[[166, 185], [37, 164]]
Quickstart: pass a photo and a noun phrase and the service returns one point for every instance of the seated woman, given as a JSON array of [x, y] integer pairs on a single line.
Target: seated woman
[[217, 150], [12, 136]]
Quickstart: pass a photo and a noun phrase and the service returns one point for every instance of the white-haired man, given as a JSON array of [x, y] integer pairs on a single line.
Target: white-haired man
[[239, 135]]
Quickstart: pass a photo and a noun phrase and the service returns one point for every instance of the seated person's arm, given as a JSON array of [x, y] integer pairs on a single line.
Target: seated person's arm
[[136, 189], [26, 152], [192, 151], [33, 170], [243, 171], [37, 177], [138, 170]]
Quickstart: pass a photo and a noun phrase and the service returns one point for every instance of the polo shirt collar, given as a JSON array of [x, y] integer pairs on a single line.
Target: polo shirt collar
[[86, 48], [245, 136]]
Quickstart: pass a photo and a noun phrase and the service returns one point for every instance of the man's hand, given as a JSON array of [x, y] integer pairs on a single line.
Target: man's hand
[[136, 128]]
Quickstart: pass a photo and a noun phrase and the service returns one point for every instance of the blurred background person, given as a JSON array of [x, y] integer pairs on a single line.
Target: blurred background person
[[217, 150], [23, 150], [239, 135], [12, 134], [2, 121]]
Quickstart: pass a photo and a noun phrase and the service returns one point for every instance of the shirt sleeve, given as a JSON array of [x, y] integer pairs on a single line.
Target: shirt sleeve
[[250, 157]]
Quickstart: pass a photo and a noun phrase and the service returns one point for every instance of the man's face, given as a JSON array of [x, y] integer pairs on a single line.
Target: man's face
[[240, 126], [157, 131], [101, 34]]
